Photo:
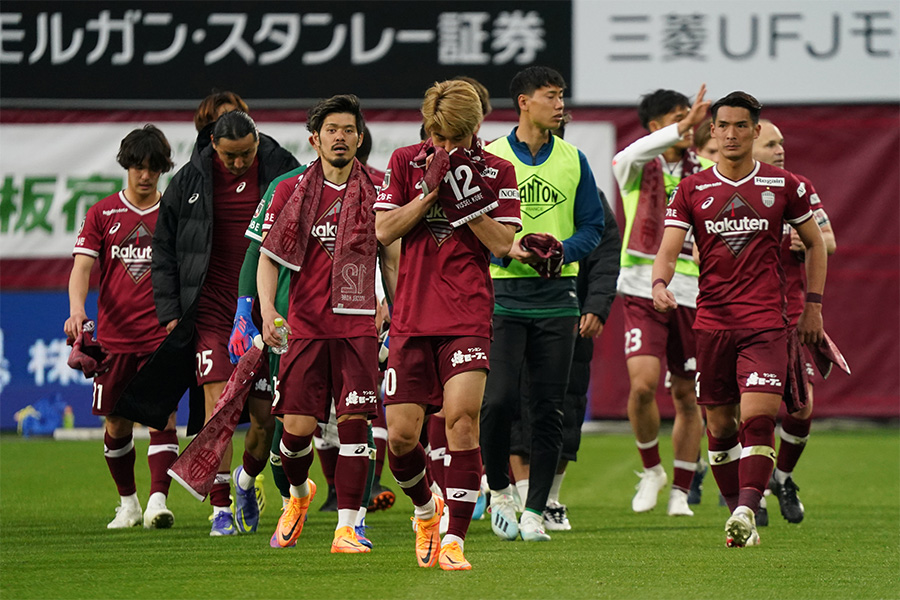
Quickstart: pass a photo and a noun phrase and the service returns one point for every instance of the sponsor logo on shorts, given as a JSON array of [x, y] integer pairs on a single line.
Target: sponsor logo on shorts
[[764, 379], [768, 199], [460, 358], [706, 186], [355, 398], [769, 181], [690, 364]]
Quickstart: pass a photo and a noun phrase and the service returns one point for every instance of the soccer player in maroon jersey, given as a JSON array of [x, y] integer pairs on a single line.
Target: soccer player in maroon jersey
[[118, 231], [736, 210], [198, 249], [769, 148], [333, 349], [441, 324]]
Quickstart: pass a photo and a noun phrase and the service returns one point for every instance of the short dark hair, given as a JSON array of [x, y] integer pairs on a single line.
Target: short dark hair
[[235, 125], [342, 103], [658, 104], [208, 110], [739, 100], [365, 148], [146, 144], [534, 78]]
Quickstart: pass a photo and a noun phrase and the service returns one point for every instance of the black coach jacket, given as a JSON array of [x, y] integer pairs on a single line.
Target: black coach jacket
[[182, 243]]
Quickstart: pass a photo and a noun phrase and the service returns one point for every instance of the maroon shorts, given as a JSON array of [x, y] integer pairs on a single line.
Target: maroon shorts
[[732, 362], [213, 363], [312, 372], [670, 335], [109, 386], [418, 367]]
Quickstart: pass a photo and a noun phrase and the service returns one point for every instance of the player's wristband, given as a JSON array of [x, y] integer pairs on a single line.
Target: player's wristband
[[814, 297], [660, 280]]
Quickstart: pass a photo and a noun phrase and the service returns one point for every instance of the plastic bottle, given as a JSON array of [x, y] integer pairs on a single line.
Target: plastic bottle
[[282, 330]]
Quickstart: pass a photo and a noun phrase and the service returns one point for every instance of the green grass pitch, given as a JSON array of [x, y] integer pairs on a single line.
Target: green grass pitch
[[56, 498]]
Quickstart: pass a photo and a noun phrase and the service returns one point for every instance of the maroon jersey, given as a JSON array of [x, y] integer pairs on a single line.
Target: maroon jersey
[[310, 315], [121, 236], [738, 230], [235, 198], [794, 262], [376, 175], [444, 286]]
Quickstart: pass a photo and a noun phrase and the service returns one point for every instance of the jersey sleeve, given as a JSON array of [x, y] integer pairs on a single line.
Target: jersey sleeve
[[90, 238], [815, 203], [255, 228], [798, 208], [677, 212], [392, 189], [279, 199], [507, 189]]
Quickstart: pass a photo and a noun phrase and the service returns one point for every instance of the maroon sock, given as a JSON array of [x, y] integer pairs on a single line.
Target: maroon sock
[[409, 471], [724, 459], [352, 463], [650, 454], [328, 458], [681, 478], [380, 455], [463, 479], [161, 454], [296, 457], [437, 437], [120, 456], [794, 434], [757, 459], [253, 466], [220, 493]]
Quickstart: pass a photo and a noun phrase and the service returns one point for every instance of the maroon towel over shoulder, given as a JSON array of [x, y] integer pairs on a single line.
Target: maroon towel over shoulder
[[355, 249]]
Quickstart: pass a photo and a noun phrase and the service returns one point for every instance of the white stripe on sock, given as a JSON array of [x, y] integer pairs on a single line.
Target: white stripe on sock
[[767, 451], [120, 452], [683, 464], [722, 457], [379, 433], [645, 445], [462, 495], [410, 483], [157, 448], [298, 454], [793, 439], [351, 450]]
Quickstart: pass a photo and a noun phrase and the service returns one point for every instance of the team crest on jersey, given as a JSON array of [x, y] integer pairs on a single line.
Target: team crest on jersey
[[135, 252], [387, 180], [325, 229], [437, 223], [537, 196], [768, 199], [736, 224]]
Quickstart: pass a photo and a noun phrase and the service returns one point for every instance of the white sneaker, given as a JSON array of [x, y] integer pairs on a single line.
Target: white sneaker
[[652, 481], [126, 516], [503, 516], [556, 517], [740, 527], [531, 526], [678, 504], [157, 516]]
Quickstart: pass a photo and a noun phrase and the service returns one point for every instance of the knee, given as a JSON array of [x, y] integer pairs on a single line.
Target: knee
[[643, 391], [401, 440], [462, 432], [118, 427]]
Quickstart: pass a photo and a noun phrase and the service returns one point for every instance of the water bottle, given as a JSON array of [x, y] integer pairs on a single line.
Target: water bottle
[[282, 331], [68, 418]]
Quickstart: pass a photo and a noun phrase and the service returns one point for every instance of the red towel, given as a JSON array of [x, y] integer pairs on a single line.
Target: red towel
[[87, 355], [649, 220], [464, 194], [550, 251], [825, 355], [197, 466], [353, 273]]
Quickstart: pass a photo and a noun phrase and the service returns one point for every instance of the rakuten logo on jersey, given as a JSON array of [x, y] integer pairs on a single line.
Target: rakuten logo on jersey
[[135, 252], [736, 224], [325, 229]]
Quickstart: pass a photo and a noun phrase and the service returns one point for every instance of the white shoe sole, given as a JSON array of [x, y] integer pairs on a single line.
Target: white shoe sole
[[164, 519]]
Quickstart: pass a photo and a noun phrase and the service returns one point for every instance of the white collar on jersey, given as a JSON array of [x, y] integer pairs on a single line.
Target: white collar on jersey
[[737, 183]]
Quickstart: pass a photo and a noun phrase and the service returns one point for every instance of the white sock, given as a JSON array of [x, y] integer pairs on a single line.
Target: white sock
[[218, 509], [781, 476], [130, 501], [508, 491], [346, 517], [522, 487], [157, 500], [530, 516], [423, 513], [449, 539], [300, 491], [244, 481], [360, 516], [658, 469], [554, 489]]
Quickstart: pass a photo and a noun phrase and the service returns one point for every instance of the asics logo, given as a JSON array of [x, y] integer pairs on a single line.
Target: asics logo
[[241, 187], [459, 494], [720, 458], [194, 197], [114, 228], [707, 202]]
